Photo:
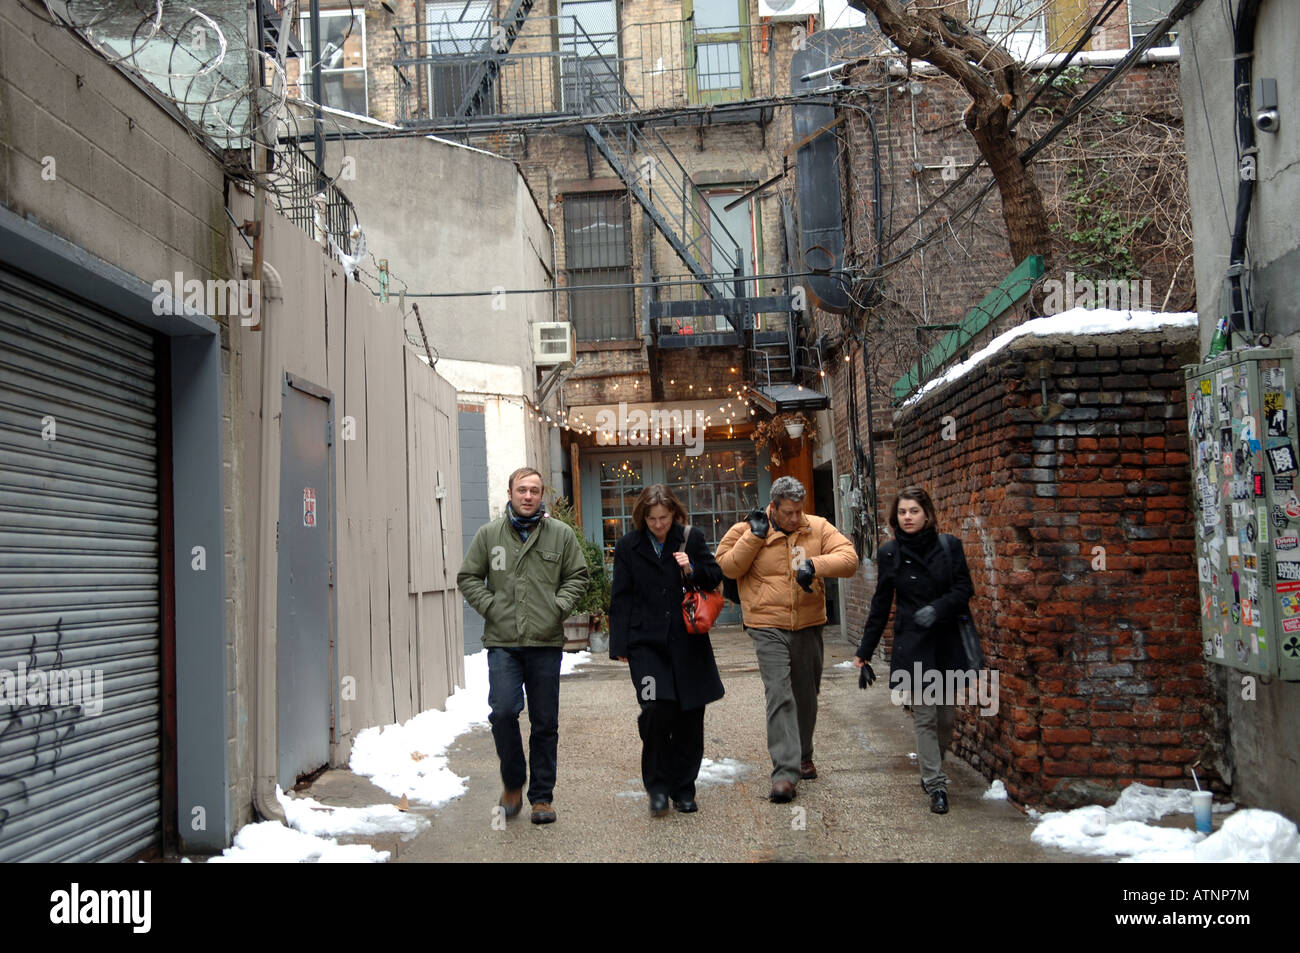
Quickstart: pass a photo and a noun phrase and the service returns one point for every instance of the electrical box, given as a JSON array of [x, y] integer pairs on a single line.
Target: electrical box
[[1241, 420]]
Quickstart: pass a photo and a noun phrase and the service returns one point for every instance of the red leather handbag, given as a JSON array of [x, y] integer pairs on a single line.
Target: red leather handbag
[[699, 609]]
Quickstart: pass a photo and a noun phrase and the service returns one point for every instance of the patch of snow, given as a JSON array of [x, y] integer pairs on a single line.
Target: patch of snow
[[911, 756], [847, 663], [1076, 321], [411, 758], [311, 817], [997, 791], [270, 842], [570, 661], [1248, 837], [630, 794], [1124, 828], [722, 771]]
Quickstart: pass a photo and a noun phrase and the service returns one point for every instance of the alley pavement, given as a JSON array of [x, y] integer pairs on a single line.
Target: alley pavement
[[866, 805]]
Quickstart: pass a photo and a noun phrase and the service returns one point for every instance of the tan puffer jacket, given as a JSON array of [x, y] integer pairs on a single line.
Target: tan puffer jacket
[[764, 571]]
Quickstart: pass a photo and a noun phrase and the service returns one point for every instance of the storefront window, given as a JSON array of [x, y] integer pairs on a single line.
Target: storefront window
[[718, 488], [621, 481]]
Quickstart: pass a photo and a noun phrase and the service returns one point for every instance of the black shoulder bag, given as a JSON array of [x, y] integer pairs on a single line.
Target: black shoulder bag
[[970, 637]]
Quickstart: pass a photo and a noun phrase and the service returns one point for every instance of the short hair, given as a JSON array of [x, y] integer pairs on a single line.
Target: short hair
[[520, 474], [916, 495], [656, 494], [788, 488]]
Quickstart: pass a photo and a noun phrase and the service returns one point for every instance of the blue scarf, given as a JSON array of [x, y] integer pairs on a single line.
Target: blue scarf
[[525, 524]]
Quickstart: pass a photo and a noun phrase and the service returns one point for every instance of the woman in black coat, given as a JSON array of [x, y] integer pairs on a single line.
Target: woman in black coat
[[673, 671], [933, 590]]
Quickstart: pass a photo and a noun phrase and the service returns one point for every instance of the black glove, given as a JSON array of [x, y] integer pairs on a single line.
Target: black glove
[[865, 675], [758, 524], [925, 616], [804, 575]]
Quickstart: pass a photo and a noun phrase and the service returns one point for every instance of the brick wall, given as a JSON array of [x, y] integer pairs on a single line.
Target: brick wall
[[1077, 526]]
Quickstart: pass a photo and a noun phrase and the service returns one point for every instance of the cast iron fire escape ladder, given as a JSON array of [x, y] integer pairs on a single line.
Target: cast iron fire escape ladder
[[484, 77]]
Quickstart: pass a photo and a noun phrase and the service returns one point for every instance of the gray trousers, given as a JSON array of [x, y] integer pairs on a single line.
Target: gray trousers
[[790, 663], [933, 734]]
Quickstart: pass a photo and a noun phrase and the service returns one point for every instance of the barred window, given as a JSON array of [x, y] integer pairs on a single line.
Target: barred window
[[597, 251]]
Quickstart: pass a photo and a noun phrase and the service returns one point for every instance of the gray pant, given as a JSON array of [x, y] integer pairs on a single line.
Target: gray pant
[[790, 663], [933, 735]]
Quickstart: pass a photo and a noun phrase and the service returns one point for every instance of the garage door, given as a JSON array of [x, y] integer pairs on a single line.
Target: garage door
[[80, 757]]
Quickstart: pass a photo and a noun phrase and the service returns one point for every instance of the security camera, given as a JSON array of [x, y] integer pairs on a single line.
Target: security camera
[[1266, 114]]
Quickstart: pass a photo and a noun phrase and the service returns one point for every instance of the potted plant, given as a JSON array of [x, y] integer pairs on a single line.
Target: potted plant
[[792, 426], [588, 615]]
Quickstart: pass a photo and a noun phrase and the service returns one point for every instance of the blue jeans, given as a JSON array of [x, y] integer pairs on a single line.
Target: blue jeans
[[511, 673]]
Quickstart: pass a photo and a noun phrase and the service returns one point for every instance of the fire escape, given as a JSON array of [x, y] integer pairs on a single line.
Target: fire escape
[[504, 88]]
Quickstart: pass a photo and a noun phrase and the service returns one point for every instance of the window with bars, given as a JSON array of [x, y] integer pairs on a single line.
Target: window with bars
[[1015, 24], [597, 251], [1143, 15], [342, 59]]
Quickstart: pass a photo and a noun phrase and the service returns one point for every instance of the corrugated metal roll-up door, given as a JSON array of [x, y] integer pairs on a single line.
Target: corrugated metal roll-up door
[[80, 721]]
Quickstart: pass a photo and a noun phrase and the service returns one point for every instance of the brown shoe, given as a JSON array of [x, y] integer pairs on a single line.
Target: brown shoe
[[807, 770], [512, 799], [543, 813], [782, 792]]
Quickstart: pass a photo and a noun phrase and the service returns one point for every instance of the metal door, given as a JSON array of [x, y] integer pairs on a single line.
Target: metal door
[[305, 612], [80, 672]]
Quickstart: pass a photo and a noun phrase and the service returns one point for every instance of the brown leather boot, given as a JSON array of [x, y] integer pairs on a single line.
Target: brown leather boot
[[512, 799], [782, 792], [807, 770], [543, 813]]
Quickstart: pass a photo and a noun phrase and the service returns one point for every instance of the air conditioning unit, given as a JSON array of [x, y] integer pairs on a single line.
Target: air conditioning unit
[[553, 342], [788, 9]]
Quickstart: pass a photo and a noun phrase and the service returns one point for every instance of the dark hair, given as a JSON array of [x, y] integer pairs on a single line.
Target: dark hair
[[916, 495], [656, 494], [520, 474]]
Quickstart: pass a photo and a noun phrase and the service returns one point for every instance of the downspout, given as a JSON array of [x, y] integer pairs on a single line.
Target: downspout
[[266, 716]]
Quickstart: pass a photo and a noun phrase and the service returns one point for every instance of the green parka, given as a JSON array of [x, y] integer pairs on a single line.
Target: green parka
[[523, 590]]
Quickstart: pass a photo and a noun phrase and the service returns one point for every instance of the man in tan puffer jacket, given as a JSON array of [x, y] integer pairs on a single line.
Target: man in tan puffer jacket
[[778, 558]]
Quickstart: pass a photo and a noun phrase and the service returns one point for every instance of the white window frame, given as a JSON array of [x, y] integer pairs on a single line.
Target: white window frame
[[309, 57]]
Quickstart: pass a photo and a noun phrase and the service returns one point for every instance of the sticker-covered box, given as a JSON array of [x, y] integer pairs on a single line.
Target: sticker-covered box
[[1246, 499]]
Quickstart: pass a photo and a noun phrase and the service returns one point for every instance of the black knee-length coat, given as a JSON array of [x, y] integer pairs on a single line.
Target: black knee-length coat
[[645, 618], [931, 580]]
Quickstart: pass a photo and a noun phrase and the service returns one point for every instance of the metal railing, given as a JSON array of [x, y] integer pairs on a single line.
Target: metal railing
[[556, 68], [305, 196], [689, 288]]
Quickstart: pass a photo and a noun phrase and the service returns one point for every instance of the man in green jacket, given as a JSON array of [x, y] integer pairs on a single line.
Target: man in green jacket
[[523, 574]]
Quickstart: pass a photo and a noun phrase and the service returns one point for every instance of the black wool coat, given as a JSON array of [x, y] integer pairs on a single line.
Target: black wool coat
[[915, 584], [645, 619]]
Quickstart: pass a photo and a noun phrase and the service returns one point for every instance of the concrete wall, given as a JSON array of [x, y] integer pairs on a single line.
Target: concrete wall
[[1263, 744], [127, 190], [452, 218]]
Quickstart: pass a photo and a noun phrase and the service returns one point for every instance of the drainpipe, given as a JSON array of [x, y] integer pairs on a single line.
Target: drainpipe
[[265, 715]]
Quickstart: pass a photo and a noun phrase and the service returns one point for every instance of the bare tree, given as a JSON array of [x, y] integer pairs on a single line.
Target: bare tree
[[995, 82]]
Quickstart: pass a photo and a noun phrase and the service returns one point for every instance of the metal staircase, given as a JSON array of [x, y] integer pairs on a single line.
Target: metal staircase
[[484, 77], [664, 189]]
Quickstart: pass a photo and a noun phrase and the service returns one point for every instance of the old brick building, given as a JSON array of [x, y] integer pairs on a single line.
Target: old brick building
[[654, 135]]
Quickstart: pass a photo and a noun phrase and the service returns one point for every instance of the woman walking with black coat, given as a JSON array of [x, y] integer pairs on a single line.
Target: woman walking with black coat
[[933, 586], [673, 671]]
